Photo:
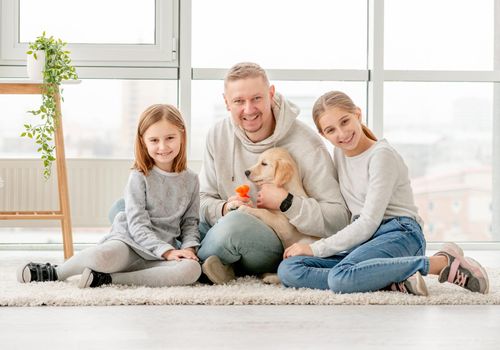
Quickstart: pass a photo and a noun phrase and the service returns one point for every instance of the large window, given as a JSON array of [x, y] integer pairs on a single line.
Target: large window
[[135, 23], [100, 117], [448, 152], [318, 34], [424, 73], [440, 35], [129, 33]]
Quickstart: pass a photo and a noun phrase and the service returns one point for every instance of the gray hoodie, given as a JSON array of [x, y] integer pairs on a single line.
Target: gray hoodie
[[229, 153]]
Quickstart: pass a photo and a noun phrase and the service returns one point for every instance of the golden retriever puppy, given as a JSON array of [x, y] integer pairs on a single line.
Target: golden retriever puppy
[[276, 166]]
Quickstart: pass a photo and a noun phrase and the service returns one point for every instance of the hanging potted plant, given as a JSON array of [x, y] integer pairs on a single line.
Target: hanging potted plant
[[56, 69]]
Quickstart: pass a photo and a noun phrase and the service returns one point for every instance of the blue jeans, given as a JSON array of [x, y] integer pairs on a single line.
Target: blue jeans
[[243, 240], [394, 253]]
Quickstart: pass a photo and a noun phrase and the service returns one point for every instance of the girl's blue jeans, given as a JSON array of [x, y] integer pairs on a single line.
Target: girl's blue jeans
[[394, 253]]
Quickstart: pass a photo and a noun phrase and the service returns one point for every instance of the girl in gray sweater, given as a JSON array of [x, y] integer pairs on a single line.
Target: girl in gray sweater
[[383, 247], [154, 241]]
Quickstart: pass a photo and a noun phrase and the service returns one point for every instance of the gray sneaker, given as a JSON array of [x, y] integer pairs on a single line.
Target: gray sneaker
[[415, 285], [216, 271], [463, 271]]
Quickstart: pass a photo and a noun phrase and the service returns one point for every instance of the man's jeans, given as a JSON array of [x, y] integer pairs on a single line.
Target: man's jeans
[[242, 239], [394, 253], [237, 238]]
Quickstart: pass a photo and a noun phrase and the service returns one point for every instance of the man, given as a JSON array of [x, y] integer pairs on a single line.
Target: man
[[260, 119]]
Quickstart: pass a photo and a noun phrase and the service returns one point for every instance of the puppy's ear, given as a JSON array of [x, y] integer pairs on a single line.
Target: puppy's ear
[[283, 173]]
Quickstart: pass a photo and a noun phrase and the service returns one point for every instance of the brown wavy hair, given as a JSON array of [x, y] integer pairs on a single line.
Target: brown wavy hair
[[340, 100], [153, 114]]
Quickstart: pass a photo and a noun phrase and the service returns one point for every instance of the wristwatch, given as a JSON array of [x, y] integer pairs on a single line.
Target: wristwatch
[[287, 202]]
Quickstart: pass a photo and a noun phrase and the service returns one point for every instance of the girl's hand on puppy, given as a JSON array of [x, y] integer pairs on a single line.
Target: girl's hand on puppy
[[298, 249]]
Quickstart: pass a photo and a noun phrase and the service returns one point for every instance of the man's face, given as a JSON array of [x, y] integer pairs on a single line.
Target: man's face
[[249, 101]]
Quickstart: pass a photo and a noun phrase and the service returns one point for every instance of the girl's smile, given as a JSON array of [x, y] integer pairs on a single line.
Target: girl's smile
[[344, 130], [163, 142]]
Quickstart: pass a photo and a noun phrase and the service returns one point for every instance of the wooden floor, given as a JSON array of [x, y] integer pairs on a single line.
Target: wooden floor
[[253, 327]]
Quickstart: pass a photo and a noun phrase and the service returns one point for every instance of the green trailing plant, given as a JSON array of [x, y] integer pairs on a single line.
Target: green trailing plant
[[58, 68]]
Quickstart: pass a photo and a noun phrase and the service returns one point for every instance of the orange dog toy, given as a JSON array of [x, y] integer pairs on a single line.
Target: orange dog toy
[[242, 191]]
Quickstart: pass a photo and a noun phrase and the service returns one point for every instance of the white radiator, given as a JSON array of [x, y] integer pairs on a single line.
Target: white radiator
[[94, 185]]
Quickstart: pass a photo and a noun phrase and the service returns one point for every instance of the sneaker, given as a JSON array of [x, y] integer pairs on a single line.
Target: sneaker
[[93, 279], [36, 272], [216, 271], [415, 285], [463, 271]]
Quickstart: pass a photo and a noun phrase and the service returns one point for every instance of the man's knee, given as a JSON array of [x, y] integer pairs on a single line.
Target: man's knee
[[237, 228], [237, 221]]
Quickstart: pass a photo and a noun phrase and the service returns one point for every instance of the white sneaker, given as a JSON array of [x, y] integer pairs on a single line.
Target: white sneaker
[[415, 285]]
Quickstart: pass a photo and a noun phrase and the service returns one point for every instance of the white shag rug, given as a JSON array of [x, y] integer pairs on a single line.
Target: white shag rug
[[244, 291]]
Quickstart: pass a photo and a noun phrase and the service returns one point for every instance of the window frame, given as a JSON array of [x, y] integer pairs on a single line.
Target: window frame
[[161, 54]]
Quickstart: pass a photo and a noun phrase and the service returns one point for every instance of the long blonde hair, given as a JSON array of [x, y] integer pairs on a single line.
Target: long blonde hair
[[153, 114], [340, 100]]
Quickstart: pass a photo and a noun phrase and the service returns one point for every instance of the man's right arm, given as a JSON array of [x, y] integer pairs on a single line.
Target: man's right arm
[[211, 204]]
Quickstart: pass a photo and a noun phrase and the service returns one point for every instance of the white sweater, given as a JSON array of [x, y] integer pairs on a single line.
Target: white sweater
[[375, 186], [229, 153]]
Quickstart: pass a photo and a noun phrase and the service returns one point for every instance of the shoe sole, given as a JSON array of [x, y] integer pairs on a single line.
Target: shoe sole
[[23, 274], [86, 278], [206, 267], [477, 265], [420, 287]]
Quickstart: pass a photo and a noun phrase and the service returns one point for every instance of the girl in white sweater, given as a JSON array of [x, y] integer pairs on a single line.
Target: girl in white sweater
[[383, 247]]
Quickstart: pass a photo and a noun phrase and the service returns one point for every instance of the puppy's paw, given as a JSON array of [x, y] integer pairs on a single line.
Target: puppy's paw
[[270, 278]]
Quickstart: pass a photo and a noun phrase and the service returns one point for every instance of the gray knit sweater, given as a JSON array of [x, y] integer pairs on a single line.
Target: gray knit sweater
[[159, 208]]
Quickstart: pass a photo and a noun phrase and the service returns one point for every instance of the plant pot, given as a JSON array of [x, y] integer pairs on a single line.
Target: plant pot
[[35, 67]]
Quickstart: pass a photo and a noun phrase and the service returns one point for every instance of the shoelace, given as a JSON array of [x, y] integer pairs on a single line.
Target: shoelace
[[456, 276], [460, 279], [43, 272], [399, 287]]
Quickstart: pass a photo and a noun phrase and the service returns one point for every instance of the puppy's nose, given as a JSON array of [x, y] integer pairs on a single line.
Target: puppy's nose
[[247, 173]]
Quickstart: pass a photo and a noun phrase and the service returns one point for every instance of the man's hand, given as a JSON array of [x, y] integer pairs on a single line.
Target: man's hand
[[270, 196], [234, 202], [178, 254], [298, 249]]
